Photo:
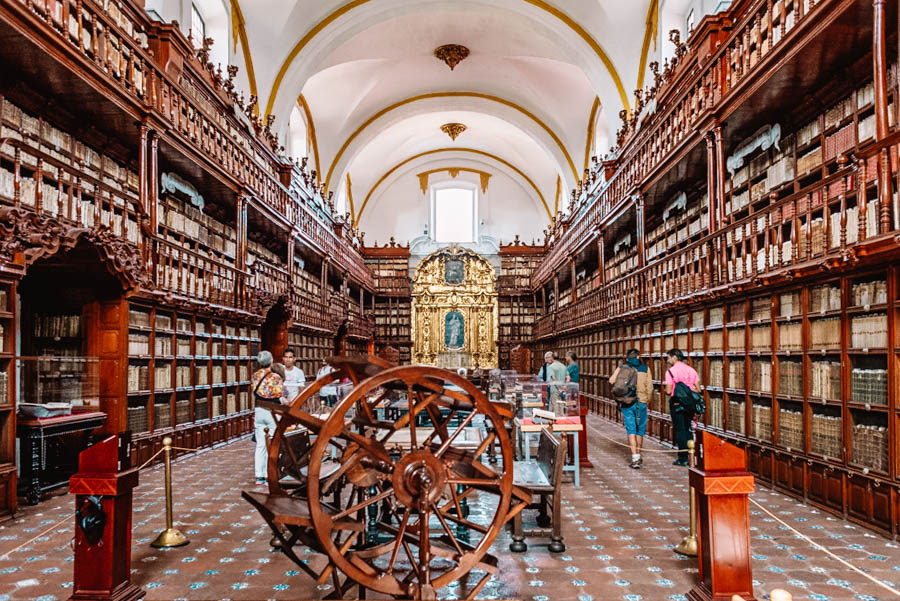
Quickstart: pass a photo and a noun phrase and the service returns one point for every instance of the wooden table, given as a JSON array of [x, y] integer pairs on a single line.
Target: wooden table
[[468, 440], [526, 429], [45, 461]]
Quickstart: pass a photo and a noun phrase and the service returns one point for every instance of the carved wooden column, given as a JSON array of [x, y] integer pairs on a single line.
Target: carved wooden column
[[153, 195], [601, 258], [639, 219], [143, 191], [323, 286], [240, 226], [556, 292], [720, 196], [574, 291], [711, 184], [879, 59]]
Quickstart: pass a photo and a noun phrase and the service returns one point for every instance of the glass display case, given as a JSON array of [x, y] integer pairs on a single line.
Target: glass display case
[[57, 385]]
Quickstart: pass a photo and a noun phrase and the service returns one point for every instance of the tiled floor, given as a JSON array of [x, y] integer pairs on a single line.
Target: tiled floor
[[621, 526]]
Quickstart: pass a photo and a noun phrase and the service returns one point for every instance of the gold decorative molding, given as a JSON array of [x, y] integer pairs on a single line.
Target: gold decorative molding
[[650, 35], [239, 31], [350, 197], [311, 135], [591, 126], [388, 173], [453, 130], [428, 96], [454, 316], [454, 172], [451, 54], [556, 202], [541, 4]]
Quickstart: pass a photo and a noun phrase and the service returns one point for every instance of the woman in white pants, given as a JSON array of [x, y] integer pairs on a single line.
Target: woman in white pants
[[266, 385]]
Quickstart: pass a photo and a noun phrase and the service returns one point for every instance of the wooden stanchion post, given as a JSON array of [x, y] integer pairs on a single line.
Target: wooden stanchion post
[[723, 487]]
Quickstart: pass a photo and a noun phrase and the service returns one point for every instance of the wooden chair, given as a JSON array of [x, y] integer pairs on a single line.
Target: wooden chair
[[543, 478]]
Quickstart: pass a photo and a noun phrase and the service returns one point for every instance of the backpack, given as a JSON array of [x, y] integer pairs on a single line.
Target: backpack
[[624, 389], [690, 401]]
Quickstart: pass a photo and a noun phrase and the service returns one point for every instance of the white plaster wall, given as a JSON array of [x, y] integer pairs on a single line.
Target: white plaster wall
[[399, 208]]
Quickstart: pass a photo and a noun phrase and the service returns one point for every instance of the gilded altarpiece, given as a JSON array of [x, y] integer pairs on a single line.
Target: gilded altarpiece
[[454, 310]]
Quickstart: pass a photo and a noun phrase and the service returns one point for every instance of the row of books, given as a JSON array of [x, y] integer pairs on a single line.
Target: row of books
[[190, 221], [138, 343], [870, 447], [138, 377], [714, 416], [790, 428], [163, 345], [163, 376], [52, 326], [869, 386], [826, 435], [790, 336], [761, 422], [736, 416], [790, 378], [824, 298], [825, 333], [869, 331], [761, 375], [825, 380], [863, 294]]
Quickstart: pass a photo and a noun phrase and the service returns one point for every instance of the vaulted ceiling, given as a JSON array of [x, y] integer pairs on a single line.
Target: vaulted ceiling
[[538, 75]]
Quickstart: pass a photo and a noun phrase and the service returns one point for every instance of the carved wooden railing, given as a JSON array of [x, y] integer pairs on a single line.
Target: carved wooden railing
[[761, 28], [311, 312], [827, 225], [61, 190], [270, 279], [194, 277]]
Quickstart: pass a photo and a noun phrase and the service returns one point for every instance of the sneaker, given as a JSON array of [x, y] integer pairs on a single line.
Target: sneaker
[[260, 481], [636, 465], [640, 461], [680, 462]]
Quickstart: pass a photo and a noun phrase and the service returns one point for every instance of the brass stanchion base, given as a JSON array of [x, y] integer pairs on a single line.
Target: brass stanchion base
[[170, 537], [688, 546]]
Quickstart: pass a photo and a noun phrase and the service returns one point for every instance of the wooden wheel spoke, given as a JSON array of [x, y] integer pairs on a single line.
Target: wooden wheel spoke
[[400, 534], [458, 519], [446, 444], [363, 504], [475, 481], [449, 532]]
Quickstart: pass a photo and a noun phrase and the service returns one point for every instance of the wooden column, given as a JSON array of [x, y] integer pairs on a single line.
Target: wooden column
[[711, 184], [723, 488], [556, 292], [601, 258], [639, 219], [323, 286], [143, 191], [240, 226], [573, 291], [720, 175], [879, 60], [153, 194]]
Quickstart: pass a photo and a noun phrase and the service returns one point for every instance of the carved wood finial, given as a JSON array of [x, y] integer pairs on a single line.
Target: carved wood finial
[[451, 54]]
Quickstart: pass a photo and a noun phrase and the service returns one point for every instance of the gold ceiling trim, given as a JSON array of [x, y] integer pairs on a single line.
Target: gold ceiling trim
[[350, 197], [453, 129], [451, 54], [240, 31], [454, 172], [556, 196], [311, 135], [412, 99], [541, 4], [390, 171], [591, 126], [650, 34]]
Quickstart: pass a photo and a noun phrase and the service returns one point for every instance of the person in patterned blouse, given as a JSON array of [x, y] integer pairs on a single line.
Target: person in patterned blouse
[[266, 385]]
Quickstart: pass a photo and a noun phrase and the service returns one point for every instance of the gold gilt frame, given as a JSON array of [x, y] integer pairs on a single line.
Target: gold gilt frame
[[475, 298]]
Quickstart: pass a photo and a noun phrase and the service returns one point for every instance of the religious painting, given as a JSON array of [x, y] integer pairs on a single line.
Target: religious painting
[[454, 326], [454, 271]]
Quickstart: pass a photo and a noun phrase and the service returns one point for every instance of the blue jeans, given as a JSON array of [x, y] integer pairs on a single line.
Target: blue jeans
[[635, 418]]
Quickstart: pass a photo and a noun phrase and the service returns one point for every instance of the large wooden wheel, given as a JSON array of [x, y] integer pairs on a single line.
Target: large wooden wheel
[[388, 500]]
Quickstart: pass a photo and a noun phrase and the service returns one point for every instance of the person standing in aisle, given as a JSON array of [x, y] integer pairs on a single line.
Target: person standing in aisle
[[329, 392], [267, 386], [552, 371], [679, 371], [572, 369], [295, 379], [635, 414]]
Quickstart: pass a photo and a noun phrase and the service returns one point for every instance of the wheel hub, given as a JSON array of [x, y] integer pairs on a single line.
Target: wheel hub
[[419, 476]]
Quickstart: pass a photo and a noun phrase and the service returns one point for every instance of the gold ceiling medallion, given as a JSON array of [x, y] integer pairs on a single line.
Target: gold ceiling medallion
[[453, 129], [451, 54]]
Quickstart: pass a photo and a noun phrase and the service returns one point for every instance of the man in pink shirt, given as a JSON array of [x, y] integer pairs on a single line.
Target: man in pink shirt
[[679, 371]]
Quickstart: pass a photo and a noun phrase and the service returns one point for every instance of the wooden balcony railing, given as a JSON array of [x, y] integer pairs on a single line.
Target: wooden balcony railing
[[192, 276], [686, 95], [54, 188], [311, 313], [270, 279], [832, 223]]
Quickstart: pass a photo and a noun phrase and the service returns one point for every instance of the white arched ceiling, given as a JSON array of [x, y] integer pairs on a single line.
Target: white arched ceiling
[[602, 37], [421, 133], [398, 208], [417, 124]]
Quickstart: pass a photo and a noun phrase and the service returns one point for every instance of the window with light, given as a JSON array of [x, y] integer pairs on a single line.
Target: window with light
[[198, 26], [454, 214]]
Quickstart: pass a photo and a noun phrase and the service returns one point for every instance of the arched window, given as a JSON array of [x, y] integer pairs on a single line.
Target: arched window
[[298, 143], [454, 212]]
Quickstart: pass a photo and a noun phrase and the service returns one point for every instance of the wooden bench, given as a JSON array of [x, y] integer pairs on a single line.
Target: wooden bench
[[543, 478]]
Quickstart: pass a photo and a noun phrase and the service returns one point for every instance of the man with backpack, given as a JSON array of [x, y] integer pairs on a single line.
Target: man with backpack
[[682, 386], [632, 388]]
